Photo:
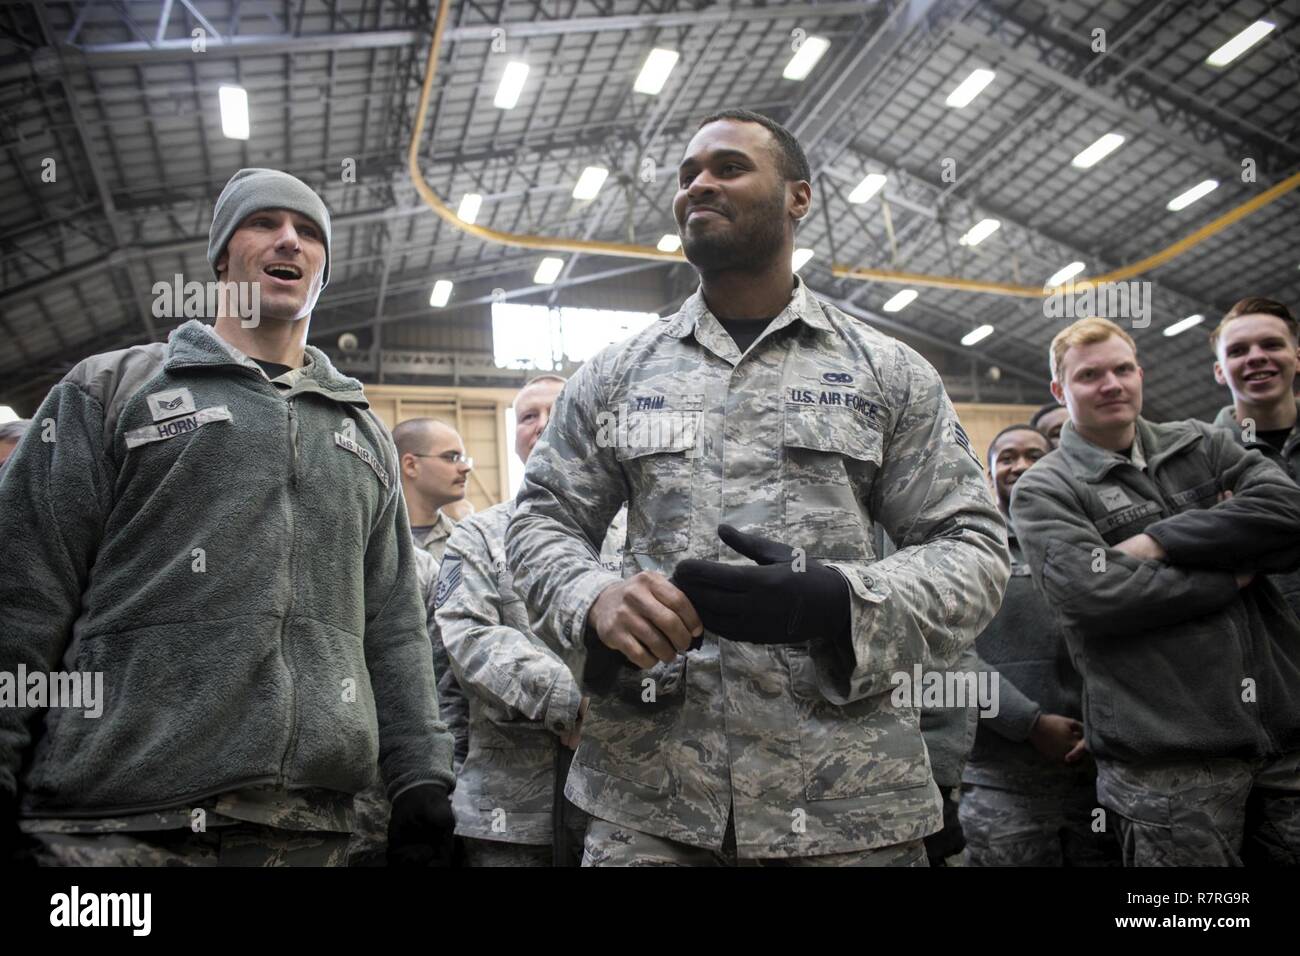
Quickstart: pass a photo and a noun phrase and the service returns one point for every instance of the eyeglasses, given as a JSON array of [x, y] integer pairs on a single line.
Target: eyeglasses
[[450, 457]]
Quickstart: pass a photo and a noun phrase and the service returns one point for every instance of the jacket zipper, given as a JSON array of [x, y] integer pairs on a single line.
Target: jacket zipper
[[284, 622]]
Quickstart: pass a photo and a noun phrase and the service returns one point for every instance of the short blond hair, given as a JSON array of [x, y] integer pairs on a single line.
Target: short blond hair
[[1087, 331]]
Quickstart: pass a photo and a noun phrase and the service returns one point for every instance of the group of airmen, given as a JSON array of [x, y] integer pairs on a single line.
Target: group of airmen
[[681, 643]]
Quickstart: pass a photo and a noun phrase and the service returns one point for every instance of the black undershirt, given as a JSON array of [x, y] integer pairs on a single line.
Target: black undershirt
[[745, 332], [1274, 436], [272, 369]]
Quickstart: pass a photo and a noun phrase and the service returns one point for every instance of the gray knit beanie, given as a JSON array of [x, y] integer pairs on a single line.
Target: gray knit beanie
[[252, 189]]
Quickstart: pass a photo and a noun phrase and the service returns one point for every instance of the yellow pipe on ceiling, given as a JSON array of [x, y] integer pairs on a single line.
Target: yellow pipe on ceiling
[[630, 251]]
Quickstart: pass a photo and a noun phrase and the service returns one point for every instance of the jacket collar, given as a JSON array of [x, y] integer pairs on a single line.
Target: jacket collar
[[1227, 418], [196, 344], [1092, 463], [694, 317]]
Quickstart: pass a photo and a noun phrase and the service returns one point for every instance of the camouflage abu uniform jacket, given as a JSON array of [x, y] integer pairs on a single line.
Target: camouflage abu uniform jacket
[[521, 696], [822, 427]]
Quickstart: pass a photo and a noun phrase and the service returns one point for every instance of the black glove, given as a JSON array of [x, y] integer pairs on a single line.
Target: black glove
[[421, 829], [949, 841], [771, 603], [600, 670]]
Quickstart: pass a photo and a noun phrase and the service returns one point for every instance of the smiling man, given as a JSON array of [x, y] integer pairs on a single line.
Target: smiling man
[[1147, 540], [1256, 352], [217, 527], [757, 436]]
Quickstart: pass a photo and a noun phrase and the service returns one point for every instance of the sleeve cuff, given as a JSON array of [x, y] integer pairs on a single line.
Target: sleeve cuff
[[1014, 723], [562, 707]]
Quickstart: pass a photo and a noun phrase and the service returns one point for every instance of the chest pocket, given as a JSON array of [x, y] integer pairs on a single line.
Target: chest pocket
[[658, 451], [830, 458]]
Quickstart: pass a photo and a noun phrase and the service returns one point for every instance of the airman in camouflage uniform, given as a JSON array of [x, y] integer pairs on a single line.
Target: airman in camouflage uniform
[[806, 434], [522, 700], [525, 707]]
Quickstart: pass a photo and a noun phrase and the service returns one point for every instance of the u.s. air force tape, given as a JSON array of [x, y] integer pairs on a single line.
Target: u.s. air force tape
[[448, 580]]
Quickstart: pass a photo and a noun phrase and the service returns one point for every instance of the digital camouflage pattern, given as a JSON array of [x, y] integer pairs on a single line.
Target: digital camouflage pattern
[[823, 427], [1216, 812], [236, 844], [521, 695], [611, 845], [452, 704], [1034, 828], [434, 542], [258, 826], [305, 809]]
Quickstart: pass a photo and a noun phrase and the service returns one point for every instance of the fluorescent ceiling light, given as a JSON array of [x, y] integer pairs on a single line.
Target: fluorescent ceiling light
[[469, 206], [900, 301], [979, 232], [441, 293], [671, 242], [512, 84], [1182, 325], [800, 258], [977, 335], [1069, 272], [970, 88], [548, 271], [872, 184], [234, 111], [1097, 151], [1184, 200], [589, 183], [805, 58], [1239, 44], [654, 74]]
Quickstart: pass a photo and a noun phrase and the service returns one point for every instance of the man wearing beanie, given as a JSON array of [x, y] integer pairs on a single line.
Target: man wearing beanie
[[211, 531]]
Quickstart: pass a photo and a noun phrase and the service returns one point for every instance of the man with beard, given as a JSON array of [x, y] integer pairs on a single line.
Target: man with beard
[[756, 436], [216, 526]]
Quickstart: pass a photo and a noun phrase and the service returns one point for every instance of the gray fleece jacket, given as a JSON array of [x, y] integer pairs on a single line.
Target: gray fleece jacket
[[1177, 661], [1024, 650], [235, 558], [1289, 461]]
